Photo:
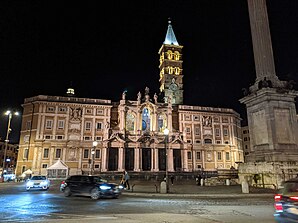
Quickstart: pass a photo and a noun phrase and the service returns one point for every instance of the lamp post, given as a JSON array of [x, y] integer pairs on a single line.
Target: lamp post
[[166, 133], [9, 113], [92, 158]]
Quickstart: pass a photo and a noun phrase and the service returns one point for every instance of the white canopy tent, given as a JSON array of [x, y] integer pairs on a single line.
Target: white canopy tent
[[58, 170]]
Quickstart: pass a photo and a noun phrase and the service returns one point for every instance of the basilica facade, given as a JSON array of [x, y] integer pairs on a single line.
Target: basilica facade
[[143, 134]]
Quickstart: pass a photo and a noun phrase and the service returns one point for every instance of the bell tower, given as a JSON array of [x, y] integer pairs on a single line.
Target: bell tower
[[170, 58]]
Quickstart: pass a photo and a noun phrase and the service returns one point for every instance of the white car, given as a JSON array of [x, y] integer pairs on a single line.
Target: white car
[[39, 182]]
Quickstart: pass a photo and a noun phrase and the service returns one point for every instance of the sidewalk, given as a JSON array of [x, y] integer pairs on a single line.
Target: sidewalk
[[191, 189]]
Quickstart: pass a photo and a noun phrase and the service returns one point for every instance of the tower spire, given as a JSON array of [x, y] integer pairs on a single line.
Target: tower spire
[[170, 36]]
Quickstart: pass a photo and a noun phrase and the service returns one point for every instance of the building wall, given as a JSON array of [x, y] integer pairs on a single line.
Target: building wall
[[65, 127], [11, 154]]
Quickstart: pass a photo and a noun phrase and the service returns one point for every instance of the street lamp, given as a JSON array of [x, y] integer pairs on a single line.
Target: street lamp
[[9, 113], [92, 154], [166, 133]]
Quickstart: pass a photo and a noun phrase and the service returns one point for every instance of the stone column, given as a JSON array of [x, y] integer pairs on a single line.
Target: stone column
[[262, 46], [104, 159], [120, 159], [155, 169], [185, 162], [137, 159], [170, 159]]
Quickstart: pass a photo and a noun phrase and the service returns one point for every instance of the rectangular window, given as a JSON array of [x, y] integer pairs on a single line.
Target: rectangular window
[[47, 137], [86, 153], [62, 109], [198, 155], [218, 155], [99, 112], [28, 125], [58, 153], [189, 155], [197, 131], [187, 129], [217, 132], [87, 138], [50, 109], [59, 137], [60, 124], [98, 125], [49, 124], [97, 153], [44, 166], [98, 138], [88, 126], [45, 153], [88, 111], [227, 155], [26, 153], [225, 132]]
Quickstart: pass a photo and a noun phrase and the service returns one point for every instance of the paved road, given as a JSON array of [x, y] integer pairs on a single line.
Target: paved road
[[18, 205]]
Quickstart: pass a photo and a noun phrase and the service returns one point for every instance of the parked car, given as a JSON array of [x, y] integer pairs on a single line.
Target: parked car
[[38, 182], [286, 202], [93, 186]]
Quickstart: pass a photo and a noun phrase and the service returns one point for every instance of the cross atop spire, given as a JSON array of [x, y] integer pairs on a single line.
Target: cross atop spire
[[170, 36]]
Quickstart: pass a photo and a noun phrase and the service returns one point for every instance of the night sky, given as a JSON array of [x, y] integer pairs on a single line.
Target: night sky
[[106, 47]]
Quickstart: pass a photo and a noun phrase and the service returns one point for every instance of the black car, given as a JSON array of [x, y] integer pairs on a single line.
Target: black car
[[93, 186], [286, 202]]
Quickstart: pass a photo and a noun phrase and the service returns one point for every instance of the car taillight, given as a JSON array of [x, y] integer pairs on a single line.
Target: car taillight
[[278, 206], [295, 198], [277, 197]]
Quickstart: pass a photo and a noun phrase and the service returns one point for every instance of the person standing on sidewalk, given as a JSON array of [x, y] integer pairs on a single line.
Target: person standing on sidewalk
[[125, 180]]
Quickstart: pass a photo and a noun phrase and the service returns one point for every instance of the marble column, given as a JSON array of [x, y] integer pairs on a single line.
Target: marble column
[[137, 159], [262, 46], [120, 159]]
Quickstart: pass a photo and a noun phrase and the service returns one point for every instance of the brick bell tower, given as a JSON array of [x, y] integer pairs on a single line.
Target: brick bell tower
[[171, 78]]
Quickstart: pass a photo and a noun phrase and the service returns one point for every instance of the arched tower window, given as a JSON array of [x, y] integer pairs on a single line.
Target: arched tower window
[[162, 122], [130, 122], [146, 119]]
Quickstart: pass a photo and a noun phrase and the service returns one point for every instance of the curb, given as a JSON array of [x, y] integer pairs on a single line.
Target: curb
[[196, 195]]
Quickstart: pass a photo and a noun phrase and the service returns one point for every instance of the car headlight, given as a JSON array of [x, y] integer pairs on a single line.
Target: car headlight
[[43, 183], [105, 187], [29, 184], [121, 187]]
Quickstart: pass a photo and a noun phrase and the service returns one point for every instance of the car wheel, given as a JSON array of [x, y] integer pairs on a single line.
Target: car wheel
[[94, 194], [67, 192]]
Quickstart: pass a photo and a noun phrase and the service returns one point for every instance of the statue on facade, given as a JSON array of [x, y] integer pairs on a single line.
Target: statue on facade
[[123, 95], [139, 97], [155, 98], [146, 91]]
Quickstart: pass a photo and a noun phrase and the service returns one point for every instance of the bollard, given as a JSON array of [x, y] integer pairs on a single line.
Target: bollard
[[245, 187], [163, 187], [228, 182]]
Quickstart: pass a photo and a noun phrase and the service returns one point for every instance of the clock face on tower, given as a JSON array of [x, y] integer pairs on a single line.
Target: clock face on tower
[[173, 87]]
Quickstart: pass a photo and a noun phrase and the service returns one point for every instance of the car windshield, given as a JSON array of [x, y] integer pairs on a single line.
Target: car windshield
[[290, 187], [38, 178], [99, 179]]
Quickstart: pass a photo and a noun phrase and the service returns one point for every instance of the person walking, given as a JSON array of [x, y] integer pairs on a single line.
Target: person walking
[[172, 179], [125, 180]]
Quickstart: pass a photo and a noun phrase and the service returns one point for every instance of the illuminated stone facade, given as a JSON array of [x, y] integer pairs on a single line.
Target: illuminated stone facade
[[130, 133]]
